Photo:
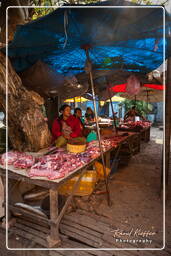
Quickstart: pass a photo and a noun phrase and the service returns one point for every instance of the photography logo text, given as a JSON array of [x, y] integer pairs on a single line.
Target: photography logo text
[[137, 235]]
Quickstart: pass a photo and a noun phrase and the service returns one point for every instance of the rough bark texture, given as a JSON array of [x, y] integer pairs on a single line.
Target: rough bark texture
[[27, 129], [16, 16]]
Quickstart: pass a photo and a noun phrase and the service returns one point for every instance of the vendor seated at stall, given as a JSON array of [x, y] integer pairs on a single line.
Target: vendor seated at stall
[[66, 127], [132, 114], [89, 115], [78, 115]]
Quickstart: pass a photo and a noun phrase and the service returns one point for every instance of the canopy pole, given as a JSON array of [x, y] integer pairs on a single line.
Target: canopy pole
[[97, 125], [147, 105], [74, 103], [113, 113], [135, 101], [167, 126]]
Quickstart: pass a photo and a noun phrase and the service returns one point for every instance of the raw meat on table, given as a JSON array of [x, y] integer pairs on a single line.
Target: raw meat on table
[[17, 159], [24, 161], [9, 157]]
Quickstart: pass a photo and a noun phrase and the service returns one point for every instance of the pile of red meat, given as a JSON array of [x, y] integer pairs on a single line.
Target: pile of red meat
[[57, 165], [17, 159], [131, 124]]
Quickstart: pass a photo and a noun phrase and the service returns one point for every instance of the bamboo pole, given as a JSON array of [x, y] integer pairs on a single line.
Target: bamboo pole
[[147, 104], [74, 103], [113, 113], [135, 100], [97, 125]]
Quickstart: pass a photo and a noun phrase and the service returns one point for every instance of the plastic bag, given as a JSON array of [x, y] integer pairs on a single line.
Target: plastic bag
[[133, 85]]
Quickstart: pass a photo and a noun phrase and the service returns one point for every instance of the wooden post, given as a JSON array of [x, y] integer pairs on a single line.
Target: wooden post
[[108, 160], [113, 113], [74, 103], [52, 109], [167, 121], [53, 239]]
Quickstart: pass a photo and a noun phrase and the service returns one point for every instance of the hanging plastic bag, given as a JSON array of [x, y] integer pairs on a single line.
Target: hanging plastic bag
[[133, 85]]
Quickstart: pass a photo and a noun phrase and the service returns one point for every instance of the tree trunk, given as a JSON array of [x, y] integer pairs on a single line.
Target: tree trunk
[[27, 128]]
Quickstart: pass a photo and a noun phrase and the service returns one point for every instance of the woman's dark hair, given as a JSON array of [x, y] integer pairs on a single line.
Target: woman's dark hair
[[63, 107], [77, 109], [89, 109], [133, 107]]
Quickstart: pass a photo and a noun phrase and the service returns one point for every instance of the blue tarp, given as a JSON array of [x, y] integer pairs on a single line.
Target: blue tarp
[[127, 38]]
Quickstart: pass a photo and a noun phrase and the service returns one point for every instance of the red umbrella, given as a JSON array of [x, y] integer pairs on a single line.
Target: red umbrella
[[122, 87]]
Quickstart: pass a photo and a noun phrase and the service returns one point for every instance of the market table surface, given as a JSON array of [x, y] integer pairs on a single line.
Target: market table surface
[[144, 132], [55, 217]]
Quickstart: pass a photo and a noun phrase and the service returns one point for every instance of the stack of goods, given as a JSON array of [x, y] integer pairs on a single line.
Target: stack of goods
[[137, 124], [56, 166]]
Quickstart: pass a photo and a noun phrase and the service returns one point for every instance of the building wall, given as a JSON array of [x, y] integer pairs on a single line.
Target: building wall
[[159, 115]]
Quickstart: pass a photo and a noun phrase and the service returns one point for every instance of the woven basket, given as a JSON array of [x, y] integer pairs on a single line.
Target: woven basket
[[76, 148]]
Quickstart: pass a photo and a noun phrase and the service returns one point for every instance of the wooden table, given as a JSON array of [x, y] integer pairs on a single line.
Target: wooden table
[[144, 133], [53, 185]]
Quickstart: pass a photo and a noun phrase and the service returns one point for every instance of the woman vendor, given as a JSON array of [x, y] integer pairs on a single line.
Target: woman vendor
[[66, 127], [89, 115], [78, 115], [131, 114]]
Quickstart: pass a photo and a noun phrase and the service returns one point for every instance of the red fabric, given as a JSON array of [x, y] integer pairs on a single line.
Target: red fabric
[[122, 87], [72, 121], [154, 86], [119, 88], [81, 124]]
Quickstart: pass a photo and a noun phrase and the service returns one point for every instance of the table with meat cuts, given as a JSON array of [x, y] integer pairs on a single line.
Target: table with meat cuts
[[51, 171], [144, 133]]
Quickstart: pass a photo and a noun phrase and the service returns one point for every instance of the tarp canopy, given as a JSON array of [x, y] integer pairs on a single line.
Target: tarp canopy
[[128, 38]]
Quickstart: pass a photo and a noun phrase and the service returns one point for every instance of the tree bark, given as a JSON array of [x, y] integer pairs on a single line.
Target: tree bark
[[27, 129], [16, 16]]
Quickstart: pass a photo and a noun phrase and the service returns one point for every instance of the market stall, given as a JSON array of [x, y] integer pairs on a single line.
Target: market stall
[[42, 170], [71, 54], [141, 127]]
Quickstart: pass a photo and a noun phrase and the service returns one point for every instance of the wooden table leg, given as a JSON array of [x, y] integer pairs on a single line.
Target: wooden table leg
[[9, 219], [62, 212], [107, 160], [53, 240]]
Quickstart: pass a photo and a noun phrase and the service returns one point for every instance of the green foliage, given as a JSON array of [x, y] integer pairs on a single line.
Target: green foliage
[[39, 12], [148, 2], [142, 107]]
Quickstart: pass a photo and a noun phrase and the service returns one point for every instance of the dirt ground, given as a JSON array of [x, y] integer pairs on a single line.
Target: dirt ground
[[137, 200]]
